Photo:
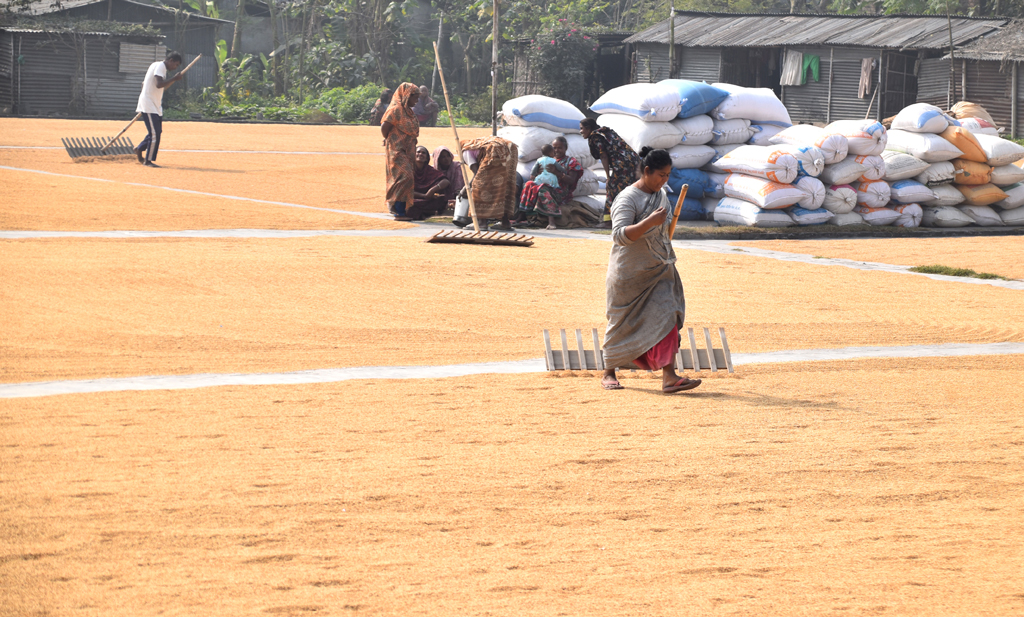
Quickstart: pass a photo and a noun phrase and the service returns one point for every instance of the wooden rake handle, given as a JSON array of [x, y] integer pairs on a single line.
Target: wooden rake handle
[[678, 210], [458, 144]]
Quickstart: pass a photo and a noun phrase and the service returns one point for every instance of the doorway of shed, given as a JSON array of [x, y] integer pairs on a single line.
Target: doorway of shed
[[753, 67]]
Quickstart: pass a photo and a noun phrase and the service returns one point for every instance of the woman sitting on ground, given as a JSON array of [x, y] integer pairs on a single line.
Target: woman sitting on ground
[[542, 200], [618, 158], [379, 107], [444, 161], [645, 304], [429, 186]]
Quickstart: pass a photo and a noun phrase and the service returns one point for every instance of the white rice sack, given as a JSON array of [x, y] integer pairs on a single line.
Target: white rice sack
[[691, 157], [813, 190], [925, 146], [731, 132], [983, 216], [809, 159], [978, 126], [594, 203], [587, 184], [803, 216], [638, 133], [1012, 217], [833, 146], [529, 139], [696, 130], [763, 134], [863, 136], [720, 151], [763, 193], [910, 215], [877, 216], [543, 111], [710, 203], [844, 172], [900, 166], [718, 181], [875, 166], [909, 192], [731, 211], [1006, 175], [648, 102], [872, 194], [524, 168], [922, 118], [846, 218], [1000, 151], [945, 195], [1014, 197], [760, 161], [840, 199], [944, 216], [758, 104], [579, 149], [942, 172]]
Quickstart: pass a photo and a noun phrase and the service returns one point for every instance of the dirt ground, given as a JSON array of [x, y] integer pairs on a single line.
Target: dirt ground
[[997, 255], [85, 308], [843, 488], [851, 488]]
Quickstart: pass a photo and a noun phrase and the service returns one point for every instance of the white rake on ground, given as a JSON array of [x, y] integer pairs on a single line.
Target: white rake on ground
[[582, 359]]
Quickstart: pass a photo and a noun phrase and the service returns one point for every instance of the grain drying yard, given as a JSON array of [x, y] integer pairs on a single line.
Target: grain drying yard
[[813, 481]]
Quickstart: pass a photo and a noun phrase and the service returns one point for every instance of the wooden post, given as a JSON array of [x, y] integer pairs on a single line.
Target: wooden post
[[1013, 101], [831, 62], [494, 71]]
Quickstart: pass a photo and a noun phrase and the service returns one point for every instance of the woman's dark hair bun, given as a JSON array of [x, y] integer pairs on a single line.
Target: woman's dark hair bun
[[655, 159]]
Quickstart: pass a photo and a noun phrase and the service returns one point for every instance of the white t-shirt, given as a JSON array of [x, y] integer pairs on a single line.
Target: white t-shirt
[[151, 96]]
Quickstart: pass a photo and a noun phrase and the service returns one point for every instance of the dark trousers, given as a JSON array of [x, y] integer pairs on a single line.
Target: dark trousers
[[151, 143]]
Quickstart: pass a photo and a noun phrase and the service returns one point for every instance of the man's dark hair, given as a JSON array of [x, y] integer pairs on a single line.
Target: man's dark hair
[[174, 56]]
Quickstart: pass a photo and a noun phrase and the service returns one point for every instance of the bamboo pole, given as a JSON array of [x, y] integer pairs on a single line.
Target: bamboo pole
[[679, 209], [458, 144]]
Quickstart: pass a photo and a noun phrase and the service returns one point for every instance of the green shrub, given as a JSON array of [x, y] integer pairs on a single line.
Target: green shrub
[[347, 106]]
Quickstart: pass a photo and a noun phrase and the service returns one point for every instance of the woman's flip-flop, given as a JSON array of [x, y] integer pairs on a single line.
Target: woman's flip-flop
[[612, 386], [681, 385]]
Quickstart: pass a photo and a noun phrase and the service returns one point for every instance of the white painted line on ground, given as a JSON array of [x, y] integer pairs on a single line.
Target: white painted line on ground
[[213, 151], [374, 215], [412, 232], [189, 382]]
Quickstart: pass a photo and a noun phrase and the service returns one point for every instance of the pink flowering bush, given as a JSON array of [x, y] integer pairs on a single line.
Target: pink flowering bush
[[565, 62]]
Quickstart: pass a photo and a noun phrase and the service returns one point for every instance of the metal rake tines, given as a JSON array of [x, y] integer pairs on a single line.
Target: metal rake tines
[[582, 359], [78, 147]]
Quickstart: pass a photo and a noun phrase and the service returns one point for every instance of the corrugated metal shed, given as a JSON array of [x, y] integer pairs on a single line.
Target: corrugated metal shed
[[988, 83], [762, 30], [6, 73], [1005, 45]]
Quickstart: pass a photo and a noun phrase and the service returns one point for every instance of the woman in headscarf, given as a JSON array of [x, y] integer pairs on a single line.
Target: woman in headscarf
[[400, 130], [429, 187], [547, 201], [380, 106], [619, 160], [494, 182], [645, 303], [444, 161], [426, 109]]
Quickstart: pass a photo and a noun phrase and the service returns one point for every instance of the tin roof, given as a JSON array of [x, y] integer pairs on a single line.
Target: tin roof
[[1007, 44], [47, 7], [693, 29]]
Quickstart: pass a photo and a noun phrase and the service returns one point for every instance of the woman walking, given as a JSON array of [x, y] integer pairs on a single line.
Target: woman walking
[[400, 130], [619, 160], [645, 305]]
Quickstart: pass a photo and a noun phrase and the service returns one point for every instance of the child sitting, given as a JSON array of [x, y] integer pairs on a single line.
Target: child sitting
[[546, 177]]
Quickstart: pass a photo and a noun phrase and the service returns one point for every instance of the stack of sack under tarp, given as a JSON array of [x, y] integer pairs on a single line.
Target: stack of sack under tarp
[[534, 121], [672, 115], [957, 170]]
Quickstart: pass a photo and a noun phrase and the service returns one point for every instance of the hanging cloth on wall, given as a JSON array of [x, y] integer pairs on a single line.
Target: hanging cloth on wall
[[810, 62], [866, 69], [791, 66]]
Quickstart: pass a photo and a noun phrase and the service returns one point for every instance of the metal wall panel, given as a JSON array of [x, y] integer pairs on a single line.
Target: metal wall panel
[[651, 63], [6, 72], [933, 82], [845, 82], [203, 74], [809, 102], [137, 58], [1020, 99], [106, 97], [45, 79], [990, 87], [700, 64]]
